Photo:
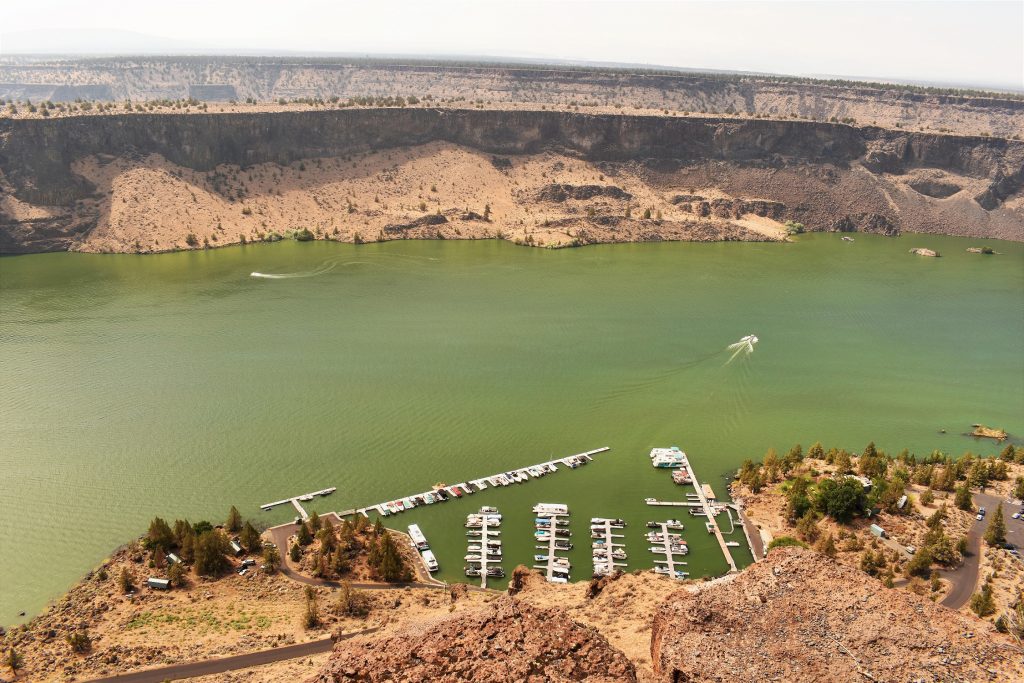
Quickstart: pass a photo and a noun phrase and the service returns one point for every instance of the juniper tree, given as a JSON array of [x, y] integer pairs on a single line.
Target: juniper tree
[[126, 581], [995, 534], [271, 558], [962, 498], [234, 521], [14, 661], [250, 538]]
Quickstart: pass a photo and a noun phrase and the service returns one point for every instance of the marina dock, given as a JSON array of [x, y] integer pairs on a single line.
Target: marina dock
[[710, 514], [294, 501], [556, 569], [672, 564], [444, 493], [604, 546], [490, 519], [703, 499]]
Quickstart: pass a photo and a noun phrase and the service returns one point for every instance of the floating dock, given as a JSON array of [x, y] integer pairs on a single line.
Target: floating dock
[[702, 502], [665, 529], [602, 533], [445, 493], [295, 501], [487, 530], [554, 564]]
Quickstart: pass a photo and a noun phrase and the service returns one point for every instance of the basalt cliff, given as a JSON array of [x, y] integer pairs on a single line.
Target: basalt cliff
[[157, 182]]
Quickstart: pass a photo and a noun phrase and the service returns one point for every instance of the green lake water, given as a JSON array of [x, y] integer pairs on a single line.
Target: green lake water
[[176, 384]]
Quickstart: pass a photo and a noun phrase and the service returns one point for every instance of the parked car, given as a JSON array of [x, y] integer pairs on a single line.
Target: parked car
[[1017, 515], [248, 563], [981, 516], [981, 511], [243, 571]]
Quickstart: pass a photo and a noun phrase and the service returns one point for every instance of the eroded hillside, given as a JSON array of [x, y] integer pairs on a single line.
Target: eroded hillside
[[142, 183]]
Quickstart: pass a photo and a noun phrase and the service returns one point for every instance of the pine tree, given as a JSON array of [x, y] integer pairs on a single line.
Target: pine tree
[[827, 546], [843, 464], [295, 553], [176, 575], [234, 521], [14, 661], [816, 451], [995, 534], [159, 535], [962, 498], [1018, 488], [807, 526], [983, 603], [314, 523], [271, 558], [126, 581], [311, 618], [304, 535], [210, 550], [250, 538]]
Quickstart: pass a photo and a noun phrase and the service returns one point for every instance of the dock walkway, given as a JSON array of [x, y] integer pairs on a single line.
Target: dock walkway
[[606, 529], [522, 475], [710, 513], [670, 559], [552, 565], [294, 501], [485, 536]]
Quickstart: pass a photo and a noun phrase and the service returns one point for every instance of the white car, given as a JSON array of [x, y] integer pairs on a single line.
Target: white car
[[1017, 515]]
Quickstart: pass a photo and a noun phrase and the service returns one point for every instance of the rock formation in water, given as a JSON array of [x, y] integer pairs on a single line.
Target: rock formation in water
[[64, 180]]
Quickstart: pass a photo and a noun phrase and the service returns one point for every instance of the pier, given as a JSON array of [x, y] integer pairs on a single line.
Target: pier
[[487, 530], [604, 533], [444, 493], [710, 513], [294, 501], [666, 543], [703, 497], [556, 533]]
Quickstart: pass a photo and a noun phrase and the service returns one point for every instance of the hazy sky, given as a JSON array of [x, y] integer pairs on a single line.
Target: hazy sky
[[975, 42]]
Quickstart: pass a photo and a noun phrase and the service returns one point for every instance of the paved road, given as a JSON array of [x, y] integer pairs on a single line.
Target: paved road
[[965, 577], [216, 666], [753, 535]]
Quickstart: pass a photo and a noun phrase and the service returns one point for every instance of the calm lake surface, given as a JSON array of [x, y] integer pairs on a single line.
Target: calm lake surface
[[176, 385]]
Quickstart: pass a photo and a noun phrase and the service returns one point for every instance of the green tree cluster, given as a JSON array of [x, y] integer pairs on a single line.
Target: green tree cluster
[[840, 499]]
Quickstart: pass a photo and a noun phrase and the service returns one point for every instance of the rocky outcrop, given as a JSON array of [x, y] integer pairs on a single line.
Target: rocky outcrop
[[825, 175], [556, 192], [732, 208], [799, 616], [505, 641]]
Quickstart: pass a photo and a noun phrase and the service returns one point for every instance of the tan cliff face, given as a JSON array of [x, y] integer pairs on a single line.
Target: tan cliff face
[[267, 80], [56, 194]]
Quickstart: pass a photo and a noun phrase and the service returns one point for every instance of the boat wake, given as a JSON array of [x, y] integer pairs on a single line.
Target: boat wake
[[744, 347], [325, 268]]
